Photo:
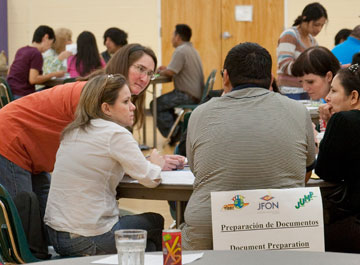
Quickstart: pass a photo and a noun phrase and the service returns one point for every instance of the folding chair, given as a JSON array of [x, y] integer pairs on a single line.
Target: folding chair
[[186, 108], [5, 93], [13, 243]]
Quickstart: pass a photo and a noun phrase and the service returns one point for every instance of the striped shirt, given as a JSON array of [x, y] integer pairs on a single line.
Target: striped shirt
[[289, 48], [248, 139]]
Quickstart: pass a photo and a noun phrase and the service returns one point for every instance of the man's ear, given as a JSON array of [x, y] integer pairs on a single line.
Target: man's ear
[[271, 82], [45, 37], [105, 108], [354, 97], [226, 82]]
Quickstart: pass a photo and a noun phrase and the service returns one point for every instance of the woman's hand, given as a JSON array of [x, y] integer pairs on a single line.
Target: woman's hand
[[157, 159], [325, 112], [174, 162], [64, 55]]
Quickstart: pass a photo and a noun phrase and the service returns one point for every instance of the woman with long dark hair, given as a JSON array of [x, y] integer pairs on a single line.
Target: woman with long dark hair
[[87, 58], [293, 42]]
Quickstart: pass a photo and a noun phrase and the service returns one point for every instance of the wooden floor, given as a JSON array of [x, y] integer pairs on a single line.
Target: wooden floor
[[140, 206]]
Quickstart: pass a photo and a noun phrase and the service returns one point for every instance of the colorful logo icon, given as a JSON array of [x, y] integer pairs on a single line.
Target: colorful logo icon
[[238, 203], [306, 199], [267, 198], [268, 204]]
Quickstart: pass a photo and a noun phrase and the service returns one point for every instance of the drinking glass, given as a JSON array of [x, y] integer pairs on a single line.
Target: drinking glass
[[130, 245]]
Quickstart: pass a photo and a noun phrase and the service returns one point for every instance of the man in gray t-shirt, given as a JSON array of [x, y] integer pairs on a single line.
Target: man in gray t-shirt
[[250, 138], [186, 70]]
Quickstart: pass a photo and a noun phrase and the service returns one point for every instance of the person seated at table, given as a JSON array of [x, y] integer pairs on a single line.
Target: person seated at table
[[95, 152], [315, 68], [28, 155], [54, 58], [338, 160], [26, 70], [114, 39], [345, 50], [186, 69], [87, 58], [232, 139], [356, 58], [342, 36]]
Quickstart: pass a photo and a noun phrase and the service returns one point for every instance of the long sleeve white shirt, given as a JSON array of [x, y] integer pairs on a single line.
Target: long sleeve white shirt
[[89, 166]]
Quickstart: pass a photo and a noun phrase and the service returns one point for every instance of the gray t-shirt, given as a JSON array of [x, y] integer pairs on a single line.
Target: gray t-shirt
[[248, 139], [186, 64]]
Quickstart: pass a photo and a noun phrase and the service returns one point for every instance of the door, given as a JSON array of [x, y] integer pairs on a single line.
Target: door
[[204, 19], [265, 28], [210, 19]]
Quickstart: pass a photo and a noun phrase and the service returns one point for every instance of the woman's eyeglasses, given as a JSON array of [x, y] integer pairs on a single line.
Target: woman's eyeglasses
[[142, 70]]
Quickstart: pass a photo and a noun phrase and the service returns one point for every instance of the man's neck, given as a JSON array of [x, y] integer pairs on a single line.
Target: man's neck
[[37, 46]]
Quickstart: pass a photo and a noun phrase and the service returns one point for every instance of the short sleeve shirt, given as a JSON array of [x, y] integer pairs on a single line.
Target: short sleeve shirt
[[186, 64], [26, 58]]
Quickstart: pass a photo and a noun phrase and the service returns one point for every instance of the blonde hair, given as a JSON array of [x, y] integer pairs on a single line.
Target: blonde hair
[[100, 89], [62, 35]]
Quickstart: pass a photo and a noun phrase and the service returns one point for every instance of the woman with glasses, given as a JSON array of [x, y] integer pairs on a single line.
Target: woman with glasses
[[108, 150], [338, 161], [27, 155]]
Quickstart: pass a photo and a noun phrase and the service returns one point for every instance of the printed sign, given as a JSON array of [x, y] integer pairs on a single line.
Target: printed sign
[[272, 219]]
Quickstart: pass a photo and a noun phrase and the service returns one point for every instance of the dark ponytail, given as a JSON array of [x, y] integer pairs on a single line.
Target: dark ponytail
[[311, 12]]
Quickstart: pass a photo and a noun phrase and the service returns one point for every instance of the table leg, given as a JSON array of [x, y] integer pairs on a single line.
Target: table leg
[[179, 213], [144, 130], [154, 116]]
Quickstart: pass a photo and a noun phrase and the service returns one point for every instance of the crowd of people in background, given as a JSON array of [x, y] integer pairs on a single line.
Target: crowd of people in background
[[106, 99]]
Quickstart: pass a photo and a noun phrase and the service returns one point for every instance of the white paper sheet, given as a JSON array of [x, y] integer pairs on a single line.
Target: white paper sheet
[[151, 259], [174, 177]]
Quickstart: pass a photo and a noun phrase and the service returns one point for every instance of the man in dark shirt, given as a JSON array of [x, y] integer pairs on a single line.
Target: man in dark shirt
[[26, 70]]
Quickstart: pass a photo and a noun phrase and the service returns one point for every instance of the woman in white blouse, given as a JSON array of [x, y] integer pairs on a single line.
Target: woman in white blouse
[[95, 152]]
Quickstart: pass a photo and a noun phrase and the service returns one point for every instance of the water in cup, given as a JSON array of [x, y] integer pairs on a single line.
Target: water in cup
[[131, 246]]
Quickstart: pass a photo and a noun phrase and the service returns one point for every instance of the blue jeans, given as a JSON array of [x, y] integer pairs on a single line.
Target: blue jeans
[[67, 244], [16, 179], [165, 109]]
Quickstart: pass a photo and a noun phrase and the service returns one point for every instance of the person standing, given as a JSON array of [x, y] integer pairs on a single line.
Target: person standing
[[186, 69], [26, 70], [293, 42], [249, 138]]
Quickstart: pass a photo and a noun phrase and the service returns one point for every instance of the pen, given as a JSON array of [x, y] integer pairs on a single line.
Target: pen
[[322, 101]]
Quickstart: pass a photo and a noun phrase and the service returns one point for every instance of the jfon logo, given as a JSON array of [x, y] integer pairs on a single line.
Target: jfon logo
[[268, 204]]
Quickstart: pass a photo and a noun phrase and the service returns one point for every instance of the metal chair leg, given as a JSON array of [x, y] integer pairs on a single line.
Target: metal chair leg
[[181, 114]]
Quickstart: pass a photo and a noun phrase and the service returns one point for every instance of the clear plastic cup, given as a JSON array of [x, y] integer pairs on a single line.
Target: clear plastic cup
[[130, 245]]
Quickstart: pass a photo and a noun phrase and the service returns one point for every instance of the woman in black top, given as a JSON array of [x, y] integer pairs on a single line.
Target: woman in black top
[[338, 161]]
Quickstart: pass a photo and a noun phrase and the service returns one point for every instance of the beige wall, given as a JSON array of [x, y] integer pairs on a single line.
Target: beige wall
[[341, 14], [139, 18]]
